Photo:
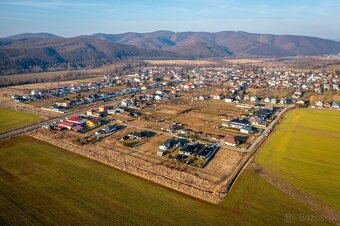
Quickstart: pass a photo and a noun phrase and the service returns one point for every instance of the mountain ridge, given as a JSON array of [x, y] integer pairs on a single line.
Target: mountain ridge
[[31, 52], [214, 44], [42, 54], [239, 43]]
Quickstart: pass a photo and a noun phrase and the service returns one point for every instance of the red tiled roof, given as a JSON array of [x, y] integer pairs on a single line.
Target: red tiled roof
[[75, 119], [65, 124]]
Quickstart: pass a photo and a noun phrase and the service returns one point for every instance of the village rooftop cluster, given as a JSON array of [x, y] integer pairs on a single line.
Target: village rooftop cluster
[[138, 100]]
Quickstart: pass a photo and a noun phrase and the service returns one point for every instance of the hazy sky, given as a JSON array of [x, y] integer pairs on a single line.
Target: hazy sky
[[70, 18]]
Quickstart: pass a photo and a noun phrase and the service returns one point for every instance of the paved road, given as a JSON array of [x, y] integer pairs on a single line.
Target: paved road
[[255, 146], [265, 133]]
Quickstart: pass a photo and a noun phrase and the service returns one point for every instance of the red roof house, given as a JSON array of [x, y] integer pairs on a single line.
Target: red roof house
[[66, 124], [77, 119]]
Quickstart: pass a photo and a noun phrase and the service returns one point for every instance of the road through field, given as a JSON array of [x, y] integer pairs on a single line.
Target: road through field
[[256, 146]]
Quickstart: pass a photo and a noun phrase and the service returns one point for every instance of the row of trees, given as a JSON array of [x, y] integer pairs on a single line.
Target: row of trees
[[30, 79]]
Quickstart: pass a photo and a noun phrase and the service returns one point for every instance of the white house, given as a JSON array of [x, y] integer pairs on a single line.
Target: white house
[[319, 103], [166, 145], [254, 98], [157, 97], [228, 100]]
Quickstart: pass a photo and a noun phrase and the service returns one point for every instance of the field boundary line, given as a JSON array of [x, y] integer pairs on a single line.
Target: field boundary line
[[257, 148]]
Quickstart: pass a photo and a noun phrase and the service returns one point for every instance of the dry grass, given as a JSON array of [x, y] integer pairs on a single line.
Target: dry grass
[[204, 116], [244, 61], [185, 62], [271, 92], [225, 161]]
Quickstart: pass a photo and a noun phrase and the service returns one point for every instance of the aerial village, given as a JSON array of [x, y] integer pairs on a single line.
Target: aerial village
[[185, 116]]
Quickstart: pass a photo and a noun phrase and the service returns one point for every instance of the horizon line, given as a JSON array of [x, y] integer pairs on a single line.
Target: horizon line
[[154, 31]]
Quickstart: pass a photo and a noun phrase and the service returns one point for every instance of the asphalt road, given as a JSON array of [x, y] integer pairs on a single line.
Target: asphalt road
[[265, 133], [256, 146]]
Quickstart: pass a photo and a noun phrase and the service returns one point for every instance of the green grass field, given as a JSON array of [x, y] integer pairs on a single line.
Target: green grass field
[[11, 119], [42, 184], [305, 151]]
